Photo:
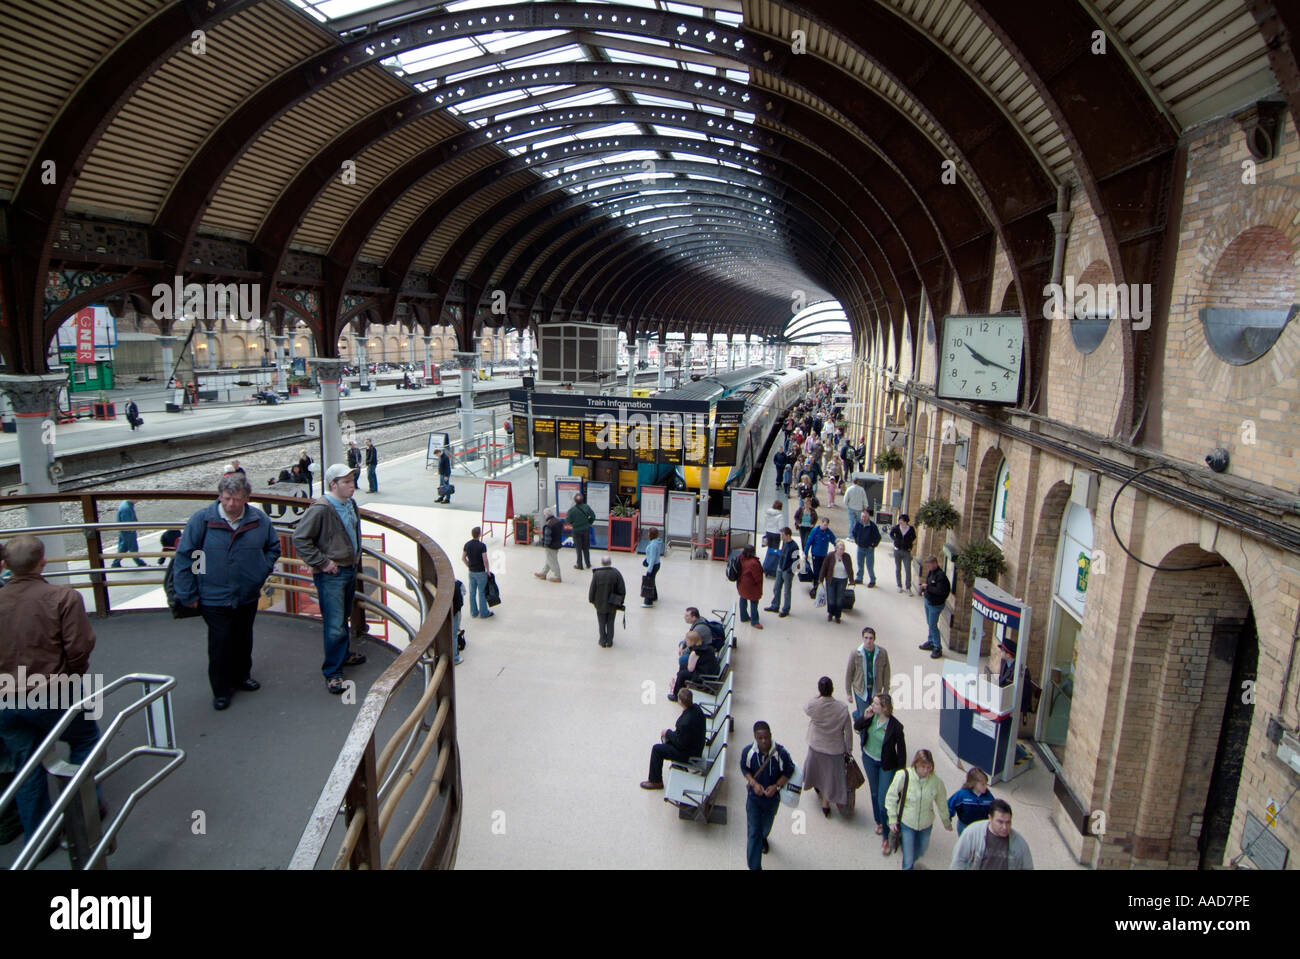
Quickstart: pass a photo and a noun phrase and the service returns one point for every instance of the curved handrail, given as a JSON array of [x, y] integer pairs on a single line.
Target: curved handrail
[[352, 784]]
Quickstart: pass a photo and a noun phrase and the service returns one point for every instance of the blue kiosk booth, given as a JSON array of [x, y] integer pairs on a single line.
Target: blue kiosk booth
[[979, 720]]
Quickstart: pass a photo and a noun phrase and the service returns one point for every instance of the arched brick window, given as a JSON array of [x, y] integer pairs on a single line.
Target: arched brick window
[[1252, 295]]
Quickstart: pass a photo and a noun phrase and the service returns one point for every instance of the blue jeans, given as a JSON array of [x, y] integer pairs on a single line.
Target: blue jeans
[[334, 592], [760, 813], [372, 478], [455, 632], [871, 769], [22, 731], [913, 843], [749, 610], [932, 620], [867, 561], [784, 582], [478, 594]]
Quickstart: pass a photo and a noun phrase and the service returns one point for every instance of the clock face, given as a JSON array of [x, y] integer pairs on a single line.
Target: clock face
[[979, 358]]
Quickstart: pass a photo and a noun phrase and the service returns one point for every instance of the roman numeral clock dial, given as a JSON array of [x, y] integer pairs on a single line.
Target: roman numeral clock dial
[[979, 358]]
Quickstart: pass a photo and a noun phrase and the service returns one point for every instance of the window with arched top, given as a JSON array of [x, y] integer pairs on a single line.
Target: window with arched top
[[1001, 493]]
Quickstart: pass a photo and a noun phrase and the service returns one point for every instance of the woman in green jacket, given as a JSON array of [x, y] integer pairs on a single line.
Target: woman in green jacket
[[921, 792]]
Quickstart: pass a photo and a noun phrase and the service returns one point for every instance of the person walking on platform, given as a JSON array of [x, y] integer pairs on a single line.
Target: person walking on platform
[[607, 593], [305, 461], [372, 463], [328, 539], [866, 535], [867, 672], [820, 542], [884, 752], [444, 477], [913, 797], [127, 542], [935, 592], [767, 767], [355, 461], [789, 552], [836, 572], [855, 501], [830, 749], [581, 517], [552, 537], [750, 586], [133, 415], [48, 637], [226, 552], [904, 536], [654, 551]]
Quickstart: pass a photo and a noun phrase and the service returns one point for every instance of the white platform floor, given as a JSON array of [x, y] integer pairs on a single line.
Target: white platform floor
[[555, 732]]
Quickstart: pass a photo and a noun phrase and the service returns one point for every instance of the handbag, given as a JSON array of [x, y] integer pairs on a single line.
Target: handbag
[[854, 773], [179, 610], [895, 838], [793, 789], [491, 591], [821, 595], [649, 592]]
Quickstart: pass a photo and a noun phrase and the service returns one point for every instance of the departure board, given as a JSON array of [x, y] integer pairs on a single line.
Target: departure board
[[695, 444], [594, 438], [569, 441], [617, 446], [521, 434], [670, 440], [543, 436], [726, 434]]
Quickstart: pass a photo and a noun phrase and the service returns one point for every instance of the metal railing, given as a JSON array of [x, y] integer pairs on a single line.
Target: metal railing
[[370, 777], [87, 845]]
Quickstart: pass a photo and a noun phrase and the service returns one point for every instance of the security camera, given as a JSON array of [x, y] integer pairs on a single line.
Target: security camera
[[1217, 460]]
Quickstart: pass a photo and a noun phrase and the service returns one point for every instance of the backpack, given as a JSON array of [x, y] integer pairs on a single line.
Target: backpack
[[733, 566], [716, 628]]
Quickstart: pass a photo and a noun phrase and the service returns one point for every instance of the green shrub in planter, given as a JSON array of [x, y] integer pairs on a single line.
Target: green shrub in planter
[[978, 559], [889, 460], [937, 514]]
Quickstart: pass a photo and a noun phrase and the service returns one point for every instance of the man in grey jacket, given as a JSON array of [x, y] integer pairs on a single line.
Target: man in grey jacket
[[328, 539], [996, 846]]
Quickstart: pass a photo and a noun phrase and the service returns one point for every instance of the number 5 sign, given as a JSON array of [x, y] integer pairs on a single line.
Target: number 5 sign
[[311, 426]]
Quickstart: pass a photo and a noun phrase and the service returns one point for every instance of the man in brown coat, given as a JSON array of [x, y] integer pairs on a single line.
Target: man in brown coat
[[47, 641], [867, 674]]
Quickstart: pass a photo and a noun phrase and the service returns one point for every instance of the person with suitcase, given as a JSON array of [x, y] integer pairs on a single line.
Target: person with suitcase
[[654, 551], [445, 489], [133, 415]]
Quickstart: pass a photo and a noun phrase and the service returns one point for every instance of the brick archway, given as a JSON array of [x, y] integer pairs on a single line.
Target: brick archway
[[1042, 571], [1172, 716]]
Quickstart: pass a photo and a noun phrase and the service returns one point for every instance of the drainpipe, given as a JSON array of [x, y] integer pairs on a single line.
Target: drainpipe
[[1061, 221]]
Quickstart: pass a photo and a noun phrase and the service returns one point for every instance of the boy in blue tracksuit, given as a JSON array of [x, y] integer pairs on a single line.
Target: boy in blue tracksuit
[[820, 542], [971, 803]]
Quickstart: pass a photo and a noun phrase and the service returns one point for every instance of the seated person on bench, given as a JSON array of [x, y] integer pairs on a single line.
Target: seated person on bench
[[680, 744], [700, 662]]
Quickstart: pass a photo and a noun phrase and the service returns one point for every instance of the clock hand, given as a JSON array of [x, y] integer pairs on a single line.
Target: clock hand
[[986, 362]]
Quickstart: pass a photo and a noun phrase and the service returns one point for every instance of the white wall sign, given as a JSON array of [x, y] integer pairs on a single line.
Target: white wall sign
[[652, 505], [598, 500], [494, 502], [744, 509], [681, 515]]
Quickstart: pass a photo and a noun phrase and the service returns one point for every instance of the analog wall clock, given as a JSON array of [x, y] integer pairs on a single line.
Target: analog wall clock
[[979, 358]]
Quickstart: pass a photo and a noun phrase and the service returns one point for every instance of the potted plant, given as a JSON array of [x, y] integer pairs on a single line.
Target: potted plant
[[624, 526], [889, 460], [523, 529], [937, 514], [980, 558]]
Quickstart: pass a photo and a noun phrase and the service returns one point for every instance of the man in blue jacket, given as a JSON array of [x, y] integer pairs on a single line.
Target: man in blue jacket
[[820, 542], [226, 552]]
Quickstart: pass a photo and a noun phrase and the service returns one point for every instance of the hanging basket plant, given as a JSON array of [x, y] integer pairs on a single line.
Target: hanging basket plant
[[937, 514], [980, 559], [889, 460]]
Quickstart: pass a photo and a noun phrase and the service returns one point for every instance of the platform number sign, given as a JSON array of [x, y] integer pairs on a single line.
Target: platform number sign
[[979, 358], [311, 426]]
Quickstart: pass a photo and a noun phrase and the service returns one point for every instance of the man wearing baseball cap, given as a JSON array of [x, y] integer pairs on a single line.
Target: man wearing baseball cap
[[328, 539], [1007, 672]]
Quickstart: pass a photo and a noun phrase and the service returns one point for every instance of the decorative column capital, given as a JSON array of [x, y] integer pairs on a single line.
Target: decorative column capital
[[328, 368], [467, 361], [168, 341], [32, 395]]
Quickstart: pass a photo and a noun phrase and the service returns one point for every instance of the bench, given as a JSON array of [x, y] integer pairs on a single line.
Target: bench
[[695, 794], [714, 743]]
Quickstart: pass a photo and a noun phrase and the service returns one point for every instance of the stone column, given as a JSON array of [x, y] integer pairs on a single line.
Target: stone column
[[663, 364], [168, 345], [467, 363], [428, 354], [359, 351], [631, 365], [34, 399], [330, 372], [212, 348], [278, 360]]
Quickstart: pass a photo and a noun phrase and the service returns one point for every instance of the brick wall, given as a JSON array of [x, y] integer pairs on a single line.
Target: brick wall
[[1237, 248]]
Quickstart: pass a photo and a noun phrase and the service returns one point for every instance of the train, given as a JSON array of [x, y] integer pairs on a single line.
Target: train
[[767, 395]]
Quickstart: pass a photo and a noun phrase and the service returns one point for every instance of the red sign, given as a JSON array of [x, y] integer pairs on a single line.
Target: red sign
[[86, 336]]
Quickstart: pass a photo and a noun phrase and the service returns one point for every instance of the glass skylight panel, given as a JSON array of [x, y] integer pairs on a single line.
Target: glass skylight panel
[[471, 5], [568, 54], [503, 41], [700, 68], [738, 76], [435, 55], [653, 41], [730, 19], [644, 59], [685, 8], [333, 9], [491, 99]]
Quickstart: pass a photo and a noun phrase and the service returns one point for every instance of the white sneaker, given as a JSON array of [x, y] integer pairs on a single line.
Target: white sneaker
[[909, 591], [900, 589]]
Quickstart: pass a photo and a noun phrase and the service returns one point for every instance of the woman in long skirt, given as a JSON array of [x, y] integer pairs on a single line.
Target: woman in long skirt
[[830, 748]]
